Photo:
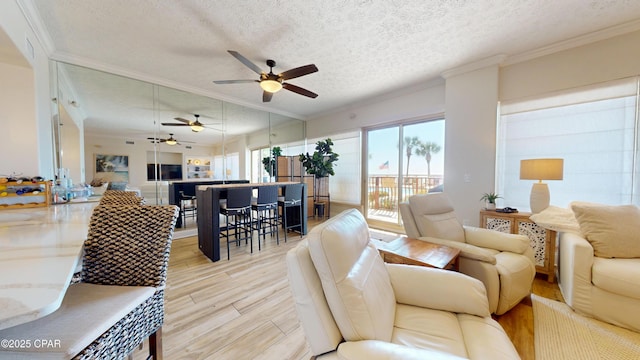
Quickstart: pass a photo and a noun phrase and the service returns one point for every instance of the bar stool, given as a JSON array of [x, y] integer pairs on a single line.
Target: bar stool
[[187, 206], [292, 198], [120, 299], [237, 213], [120, 197], [266, 208]]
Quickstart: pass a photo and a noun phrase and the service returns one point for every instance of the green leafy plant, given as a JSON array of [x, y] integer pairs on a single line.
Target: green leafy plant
[[270, 162], [321, 163], [490, 197]]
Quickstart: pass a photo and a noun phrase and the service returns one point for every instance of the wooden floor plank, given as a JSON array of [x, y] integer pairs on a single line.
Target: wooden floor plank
[[242, 308]]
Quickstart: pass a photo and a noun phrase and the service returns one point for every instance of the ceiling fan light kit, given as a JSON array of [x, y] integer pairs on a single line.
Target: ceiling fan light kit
[[271, 86], [197, 128], [270, 82]]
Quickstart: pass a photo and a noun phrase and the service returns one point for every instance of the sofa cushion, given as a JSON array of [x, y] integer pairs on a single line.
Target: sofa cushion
[[485, 339], [428, 329], [435, 217], [557, 219], [86, 312], [613, 231], [354, 278], [618, 276]]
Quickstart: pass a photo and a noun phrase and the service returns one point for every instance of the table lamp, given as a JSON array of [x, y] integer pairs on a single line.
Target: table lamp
[[540, 169]]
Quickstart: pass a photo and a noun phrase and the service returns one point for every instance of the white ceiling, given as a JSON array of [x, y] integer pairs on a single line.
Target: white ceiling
[[363, 48]]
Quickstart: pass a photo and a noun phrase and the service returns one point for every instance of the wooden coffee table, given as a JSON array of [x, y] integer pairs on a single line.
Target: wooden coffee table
[[405, 250]]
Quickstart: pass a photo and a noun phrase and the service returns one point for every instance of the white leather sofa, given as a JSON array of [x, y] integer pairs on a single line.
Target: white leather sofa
[[352, 305], [599, 266], [503, 262]]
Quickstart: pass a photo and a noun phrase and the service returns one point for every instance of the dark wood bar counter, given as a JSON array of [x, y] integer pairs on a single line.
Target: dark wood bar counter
[[189, 189], [208, 199]]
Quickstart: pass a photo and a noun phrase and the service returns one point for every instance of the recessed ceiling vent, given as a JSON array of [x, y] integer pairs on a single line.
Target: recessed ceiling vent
[[188, 147], [129, 142]]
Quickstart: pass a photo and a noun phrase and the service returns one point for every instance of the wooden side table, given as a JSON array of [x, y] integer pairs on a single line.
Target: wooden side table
[[543, 241], [404, 250]]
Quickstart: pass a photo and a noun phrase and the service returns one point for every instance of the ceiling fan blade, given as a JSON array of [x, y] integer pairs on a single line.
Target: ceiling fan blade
[[188, 122], [246, 62], [222, 82], [299, 90], [266, 96], [174, 124], [299, 71]]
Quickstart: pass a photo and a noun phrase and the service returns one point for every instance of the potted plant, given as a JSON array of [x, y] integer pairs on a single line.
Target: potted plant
[[271, 162], [320, 164], [490, 199]]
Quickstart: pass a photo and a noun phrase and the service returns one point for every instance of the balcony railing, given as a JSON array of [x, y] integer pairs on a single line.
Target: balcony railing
[[384, 193]]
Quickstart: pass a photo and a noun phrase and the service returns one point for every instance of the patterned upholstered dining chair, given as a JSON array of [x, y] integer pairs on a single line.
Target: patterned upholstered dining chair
[[120, 299], [119, 197]]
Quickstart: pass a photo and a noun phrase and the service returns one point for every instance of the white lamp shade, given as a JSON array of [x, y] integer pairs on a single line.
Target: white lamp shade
[[541, 169]]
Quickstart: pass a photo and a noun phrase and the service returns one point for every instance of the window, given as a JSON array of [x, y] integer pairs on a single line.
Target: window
[[594, 129], [344, 186]]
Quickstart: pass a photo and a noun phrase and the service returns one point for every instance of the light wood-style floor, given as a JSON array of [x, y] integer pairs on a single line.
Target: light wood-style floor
[[242, 308]]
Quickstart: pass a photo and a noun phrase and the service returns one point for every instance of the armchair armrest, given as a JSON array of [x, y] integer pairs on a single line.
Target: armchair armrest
[[491, 239], [466, 250], [438, 289], [381, 350], [575, 263]]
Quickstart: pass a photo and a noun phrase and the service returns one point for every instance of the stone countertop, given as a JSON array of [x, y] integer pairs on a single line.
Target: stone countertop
[[39, 252]]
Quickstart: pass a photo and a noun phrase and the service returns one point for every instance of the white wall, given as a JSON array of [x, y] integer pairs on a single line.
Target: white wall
[[36, 133], [605, 60], [427, 99], [470, 140], [17, 119]]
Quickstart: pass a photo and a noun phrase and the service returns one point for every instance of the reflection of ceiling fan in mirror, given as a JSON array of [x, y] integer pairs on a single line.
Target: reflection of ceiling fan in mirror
[[170, 141], [196, 126], [272, 83]]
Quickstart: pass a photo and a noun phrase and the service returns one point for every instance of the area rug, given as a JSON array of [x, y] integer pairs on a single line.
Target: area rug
[[562, 334]]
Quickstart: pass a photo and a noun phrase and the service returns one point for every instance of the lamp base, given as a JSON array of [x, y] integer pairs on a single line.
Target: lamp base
[[539, 198]]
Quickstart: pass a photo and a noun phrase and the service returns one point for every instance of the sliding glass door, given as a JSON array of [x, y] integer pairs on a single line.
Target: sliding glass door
[[401, 160]]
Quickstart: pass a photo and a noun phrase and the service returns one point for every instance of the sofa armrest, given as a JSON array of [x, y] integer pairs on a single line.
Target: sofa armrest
[[466, 250], [491, 239], [438, 289], [575, 263], [381, 350]]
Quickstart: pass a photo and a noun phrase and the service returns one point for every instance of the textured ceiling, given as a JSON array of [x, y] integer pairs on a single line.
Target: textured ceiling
[[363, 48]]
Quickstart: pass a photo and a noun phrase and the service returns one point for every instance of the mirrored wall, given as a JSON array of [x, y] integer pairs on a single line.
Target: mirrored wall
[[110, 128]]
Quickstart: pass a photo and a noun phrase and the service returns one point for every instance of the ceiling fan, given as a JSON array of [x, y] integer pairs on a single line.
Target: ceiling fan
[[272, 83], [170, 141], [196, 126]]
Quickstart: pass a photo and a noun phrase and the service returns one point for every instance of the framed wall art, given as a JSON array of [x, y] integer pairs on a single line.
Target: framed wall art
[[112, 168]]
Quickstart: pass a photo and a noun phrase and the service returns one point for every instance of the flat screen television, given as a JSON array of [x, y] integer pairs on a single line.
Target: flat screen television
[[165, 172]]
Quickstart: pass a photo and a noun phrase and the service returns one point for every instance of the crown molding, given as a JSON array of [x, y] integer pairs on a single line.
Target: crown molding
[[577, 41], [495, 60], [34, 20]]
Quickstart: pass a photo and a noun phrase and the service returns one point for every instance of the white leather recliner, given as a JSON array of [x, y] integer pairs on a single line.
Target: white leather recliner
[[352, 305], [503, 262]]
